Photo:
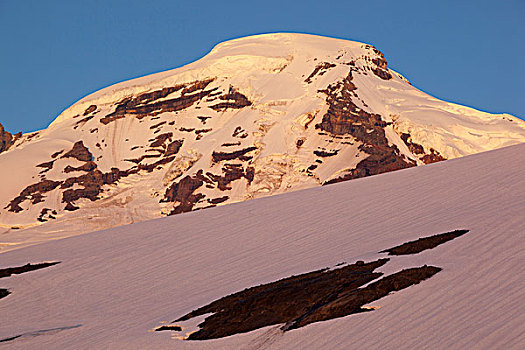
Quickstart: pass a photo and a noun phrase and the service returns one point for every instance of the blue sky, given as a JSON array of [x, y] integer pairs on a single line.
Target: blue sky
[[55, 52]]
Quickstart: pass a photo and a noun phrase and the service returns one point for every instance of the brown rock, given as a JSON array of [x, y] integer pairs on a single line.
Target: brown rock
[[182, 192], [345, 118], [320, 69], [7, 139], [90, 110], [431, 157], [32, 192], [235, 99], [144, 104], [79, 152], [219, 156]]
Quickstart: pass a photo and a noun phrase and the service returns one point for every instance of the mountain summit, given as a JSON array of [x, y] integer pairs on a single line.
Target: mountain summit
[[257, 116]]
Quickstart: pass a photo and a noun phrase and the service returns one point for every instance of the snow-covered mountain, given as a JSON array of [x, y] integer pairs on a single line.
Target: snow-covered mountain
[[112, 289], [257, 116]]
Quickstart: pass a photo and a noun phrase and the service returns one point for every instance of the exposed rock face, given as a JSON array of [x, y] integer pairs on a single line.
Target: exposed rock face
[[33, 193], [320, 69], [88, 185], [79, 152], [344, 117], [234, 100], [431, 156], [182, 192], [380, 68], [6, 139], [240, 154], [315, 296], [256, 117], [148, 104]]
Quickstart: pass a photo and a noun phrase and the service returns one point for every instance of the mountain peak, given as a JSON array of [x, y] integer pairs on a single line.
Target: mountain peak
[[257, 116]]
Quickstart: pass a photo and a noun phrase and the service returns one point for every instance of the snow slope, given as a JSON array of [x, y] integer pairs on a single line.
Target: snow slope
[[257, 116], [113, 287]]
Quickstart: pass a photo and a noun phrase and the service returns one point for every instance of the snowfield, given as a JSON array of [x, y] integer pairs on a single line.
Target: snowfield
[[112, 288]]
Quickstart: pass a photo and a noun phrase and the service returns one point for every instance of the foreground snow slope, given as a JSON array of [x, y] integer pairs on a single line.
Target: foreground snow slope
[[113, 287], [257, 116]]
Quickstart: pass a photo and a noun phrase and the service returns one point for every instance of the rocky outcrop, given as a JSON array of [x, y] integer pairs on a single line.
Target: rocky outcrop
[[379, 67], [79, 152], [7, 139], [235, 100], [320, 69], [316, 296], [144, 104], [240, 154], [90, 184], [90, 110], [418, 150], [185, 193], [182, 192], [424, 243], [230, 173], [345, 118], [324, 153], [33, 193]]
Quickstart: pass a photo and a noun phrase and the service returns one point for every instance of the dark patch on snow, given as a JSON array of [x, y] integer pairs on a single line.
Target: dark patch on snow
[[40, 332], [312, 167], [182, 192], [46, 214], [320, 69], [56, 154], [239, 132], [157, 125], [379, 67], [203, 118], [169, 328], [25, 268], [297, 301], [4, 293], [218, 200], [7, 272], [90, 110], [161, 139], [417, 246], [10, 338], [240, 154], [431, 157], [230, 173], [46, 165], [173, 148], [315, 296], [200, 132], [230, 144], [79, 152], [87, 166], [235, 100], [324, 153]]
